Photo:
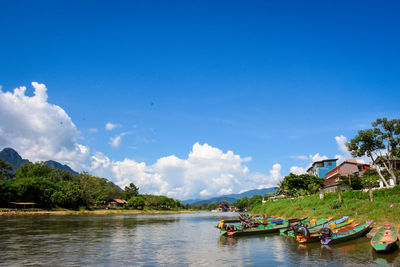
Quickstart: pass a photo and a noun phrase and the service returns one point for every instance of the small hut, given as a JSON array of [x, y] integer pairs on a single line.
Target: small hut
[[116, 202], [23, 204]]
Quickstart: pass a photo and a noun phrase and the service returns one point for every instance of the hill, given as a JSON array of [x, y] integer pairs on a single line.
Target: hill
[[230, 198], [12, 157]]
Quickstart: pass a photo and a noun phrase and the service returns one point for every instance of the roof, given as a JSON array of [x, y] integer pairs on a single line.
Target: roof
[[23, 203], [119, 201], [337, 168], [319, 161]]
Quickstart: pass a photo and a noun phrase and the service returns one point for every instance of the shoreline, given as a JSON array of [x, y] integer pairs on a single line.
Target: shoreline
[[87, 212]]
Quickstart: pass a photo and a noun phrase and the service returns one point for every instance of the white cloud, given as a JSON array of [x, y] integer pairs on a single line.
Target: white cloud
[[205, 172], [115, 141], [110, 126], [92, 130], [298, 170], [341, 143], [37, 129], [204, 193]]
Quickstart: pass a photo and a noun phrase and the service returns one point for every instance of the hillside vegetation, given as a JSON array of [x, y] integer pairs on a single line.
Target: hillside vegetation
[[356, 204]]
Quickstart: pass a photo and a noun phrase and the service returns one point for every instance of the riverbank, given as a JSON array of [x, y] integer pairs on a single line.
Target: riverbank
[[18, 212], [356, 204]]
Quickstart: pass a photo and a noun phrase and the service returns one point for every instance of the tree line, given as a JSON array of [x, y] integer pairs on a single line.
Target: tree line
[[49, 187]]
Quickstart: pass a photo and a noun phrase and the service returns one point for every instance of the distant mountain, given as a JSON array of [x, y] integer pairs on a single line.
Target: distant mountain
[[12, 157], [60, 166], [230, 198]]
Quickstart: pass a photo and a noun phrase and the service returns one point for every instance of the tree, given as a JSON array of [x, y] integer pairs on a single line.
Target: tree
[[353, 181], [370, 179], [292, 182], [131, 191], [136, 202], [384, 136], [5, 170]]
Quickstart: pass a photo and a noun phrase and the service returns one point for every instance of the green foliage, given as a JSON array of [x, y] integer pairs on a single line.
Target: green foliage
[[49, 187], [291, 184], [365, 143], [352, 181], [355, 204], [385, 134], [131, 191], [5, 170], [8, 192], [136, 202], [161, 202], [370, 179], [40, 169]]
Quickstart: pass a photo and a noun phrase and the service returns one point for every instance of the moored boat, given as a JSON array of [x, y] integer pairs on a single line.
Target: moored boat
[[314, 235], [345, 233], [313, 224], [385, 239], [238, 229]]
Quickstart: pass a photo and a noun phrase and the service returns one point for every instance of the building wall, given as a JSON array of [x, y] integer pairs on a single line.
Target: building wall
[[328, 165]]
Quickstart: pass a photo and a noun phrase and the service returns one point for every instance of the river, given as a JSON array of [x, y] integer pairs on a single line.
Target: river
[[166, 240]]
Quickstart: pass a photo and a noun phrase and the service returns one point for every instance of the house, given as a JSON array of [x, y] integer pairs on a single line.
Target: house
[[116, 202], [322, 167], [395, 161], [222, 206], [346, 168]]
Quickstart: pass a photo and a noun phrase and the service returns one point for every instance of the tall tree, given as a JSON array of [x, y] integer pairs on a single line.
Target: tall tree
[[5, 170], [131, 191], [380, 144]]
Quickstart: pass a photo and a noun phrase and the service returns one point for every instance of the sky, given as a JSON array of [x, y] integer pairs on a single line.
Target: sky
[[194, 99]]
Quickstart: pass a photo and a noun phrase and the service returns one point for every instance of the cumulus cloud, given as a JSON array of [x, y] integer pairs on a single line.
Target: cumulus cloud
[[110, 126], [37, 129], [298, 170], [206, 171]]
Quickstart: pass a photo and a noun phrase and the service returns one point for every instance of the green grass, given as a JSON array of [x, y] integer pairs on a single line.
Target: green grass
[[355, 204]]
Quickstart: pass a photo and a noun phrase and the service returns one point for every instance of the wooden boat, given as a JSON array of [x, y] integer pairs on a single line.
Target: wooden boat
[[223, 223], [260, 229], [345, 234], [385, 239], [313, 223], [260, 220], [314, 235]]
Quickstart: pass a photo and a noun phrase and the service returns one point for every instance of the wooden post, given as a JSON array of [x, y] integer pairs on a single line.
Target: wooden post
[[371, 195], [340, 195]]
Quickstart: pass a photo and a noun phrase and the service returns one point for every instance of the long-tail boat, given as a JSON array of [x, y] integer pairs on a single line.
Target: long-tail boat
[[261, 220], [314, 235], [313, 223], [345, 233], [385, 239], [238, 228]]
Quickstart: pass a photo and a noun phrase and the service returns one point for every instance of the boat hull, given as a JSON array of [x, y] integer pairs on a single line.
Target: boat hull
[[340, 239]]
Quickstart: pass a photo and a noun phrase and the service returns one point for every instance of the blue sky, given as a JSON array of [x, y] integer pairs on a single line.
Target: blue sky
[[270, 80]]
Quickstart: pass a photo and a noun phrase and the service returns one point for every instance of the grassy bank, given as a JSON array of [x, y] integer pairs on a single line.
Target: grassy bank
[[356, 204], [11, 212]]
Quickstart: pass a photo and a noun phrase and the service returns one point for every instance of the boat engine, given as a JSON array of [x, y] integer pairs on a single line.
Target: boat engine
[[325, 231], [302, 230]]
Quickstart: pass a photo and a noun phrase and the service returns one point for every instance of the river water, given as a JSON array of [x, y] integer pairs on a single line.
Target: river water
[[166, 240]]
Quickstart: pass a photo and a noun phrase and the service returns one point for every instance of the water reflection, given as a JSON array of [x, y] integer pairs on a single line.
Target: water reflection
[[178, 240]]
